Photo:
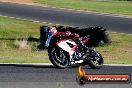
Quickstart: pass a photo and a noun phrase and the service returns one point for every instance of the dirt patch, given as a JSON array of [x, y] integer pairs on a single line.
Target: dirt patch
[[17, 1]]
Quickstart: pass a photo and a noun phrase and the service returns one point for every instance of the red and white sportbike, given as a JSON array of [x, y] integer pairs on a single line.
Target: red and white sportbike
[[66, 52]]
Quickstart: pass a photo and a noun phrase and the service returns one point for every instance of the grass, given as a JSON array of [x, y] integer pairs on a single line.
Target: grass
[[105, 6], [120, 51], [10, 28], [12, 31], [27, 60], [14, 46]]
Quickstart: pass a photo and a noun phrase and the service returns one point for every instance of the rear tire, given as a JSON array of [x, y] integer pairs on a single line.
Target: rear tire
[[96, 62]]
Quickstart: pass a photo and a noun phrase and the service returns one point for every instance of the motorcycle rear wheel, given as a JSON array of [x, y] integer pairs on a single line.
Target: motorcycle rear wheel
[[96, 62]]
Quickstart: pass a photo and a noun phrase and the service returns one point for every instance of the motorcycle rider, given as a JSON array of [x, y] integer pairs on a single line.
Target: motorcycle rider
[[67, 34], [53, 34]]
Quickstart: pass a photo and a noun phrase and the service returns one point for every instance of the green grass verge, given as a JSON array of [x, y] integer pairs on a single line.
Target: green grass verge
[[27, 60], [10, 28], [105, 6], [13, 50], [119, 51]]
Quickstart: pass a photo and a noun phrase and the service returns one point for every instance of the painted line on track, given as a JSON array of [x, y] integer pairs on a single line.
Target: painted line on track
[[50, 64], [36, 21], [118, 64]]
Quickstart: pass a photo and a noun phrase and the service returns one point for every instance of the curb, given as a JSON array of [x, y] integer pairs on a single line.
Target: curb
[[50, 64], [35, 64], [117, 64]]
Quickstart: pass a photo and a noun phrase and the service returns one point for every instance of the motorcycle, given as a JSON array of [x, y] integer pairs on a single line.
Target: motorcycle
[[65, 52]]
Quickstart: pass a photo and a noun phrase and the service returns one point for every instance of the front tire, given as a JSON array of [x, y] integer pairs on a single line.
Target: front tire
[[58, 57]]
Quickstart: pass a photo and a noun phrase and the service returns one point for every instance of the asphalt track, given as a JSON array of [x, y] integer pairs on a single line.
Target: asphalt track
[[47, 76], [67, 17]]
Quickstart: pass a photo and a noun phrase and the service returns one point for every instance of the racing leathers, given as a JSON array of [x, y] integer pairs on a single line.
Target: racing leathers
[[62, 35]]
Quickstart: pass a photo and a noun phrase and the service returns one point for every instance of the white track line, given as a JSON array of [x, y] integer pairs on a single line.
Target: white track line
[[41, 64]]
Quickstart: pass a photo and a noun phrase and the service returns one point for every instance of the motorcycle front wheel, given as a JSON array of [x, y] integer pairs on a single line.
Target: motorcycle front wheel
[[58, 57]]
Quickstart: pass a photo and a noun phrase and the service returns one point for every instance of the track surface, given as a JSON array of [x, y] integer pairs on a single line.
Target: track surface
[[47, 76], [66, 17]]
